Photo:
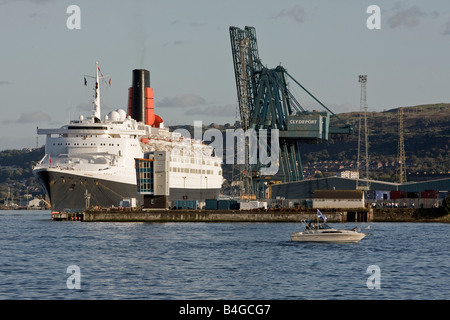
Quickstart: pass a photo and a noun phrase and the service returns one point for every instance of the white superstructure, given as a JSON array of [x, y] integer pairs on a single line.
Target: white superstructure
[[100, 154]]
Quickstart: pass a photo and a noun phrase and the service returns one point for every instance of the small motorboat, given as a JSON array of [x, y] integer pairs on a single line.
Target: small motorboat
[[321, 232], [324, 233]]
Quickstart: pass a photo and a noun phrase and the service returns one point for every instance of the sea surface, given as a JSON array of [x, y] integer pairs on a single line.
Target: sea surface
[[45, 259]]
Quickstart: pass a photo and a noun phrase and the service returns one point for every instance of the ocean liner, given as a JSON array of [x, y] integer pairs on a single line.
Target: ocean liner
[[94, 157]]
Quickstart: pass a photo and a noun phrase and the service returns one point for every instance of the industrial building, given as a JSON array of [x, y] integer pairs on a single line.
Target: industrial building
[[427, 193], [342, 199]]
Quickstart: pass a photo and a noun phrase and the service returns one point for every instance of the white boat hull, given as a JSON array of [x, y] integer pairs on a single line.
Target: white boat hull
[[339, 236]]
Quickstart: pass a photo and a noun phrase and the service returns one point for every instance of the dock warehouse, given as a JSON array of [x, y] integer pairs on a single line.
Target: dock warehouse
[[342, 199], [304, 190]]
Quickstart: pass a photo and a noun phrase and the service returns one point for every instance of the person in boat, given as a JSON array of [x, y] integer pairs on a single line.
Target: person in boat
[[308, 226]]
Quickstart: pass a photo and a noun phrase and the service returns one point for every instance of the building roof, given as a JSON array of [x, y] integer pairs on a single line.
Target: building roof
[[438, 184], [305, 189], [338, 194]]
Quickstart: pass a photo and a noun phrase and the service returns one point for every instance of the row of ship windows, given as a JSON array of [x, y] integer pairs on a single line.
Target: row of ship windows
[[85, 144], [193, 161], [190, 170], [92, 144], [145, 172]]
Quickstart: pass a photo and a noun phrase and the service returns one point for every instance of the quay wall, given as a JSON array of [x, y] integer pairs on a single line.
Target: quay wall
[[410, 215], [184, 215], [206, 216], [373, 215]]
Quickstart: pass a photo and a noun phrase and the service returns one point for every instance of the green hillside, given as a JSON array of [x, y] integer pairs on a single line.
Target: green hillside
[[16, 177], [426, 139]]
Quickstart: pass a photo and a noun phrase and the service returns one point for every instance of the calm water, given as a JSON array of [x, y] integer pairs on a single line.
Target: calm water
[[216, 261]]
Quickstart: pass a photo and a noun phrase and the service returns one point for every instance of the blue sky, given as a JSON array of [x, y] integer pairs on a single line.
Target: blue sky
[[324, 44]]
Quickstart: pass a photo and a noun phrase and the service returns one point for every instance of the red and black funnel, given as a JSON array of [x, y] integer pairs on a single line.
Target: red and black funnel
[[140, 98]]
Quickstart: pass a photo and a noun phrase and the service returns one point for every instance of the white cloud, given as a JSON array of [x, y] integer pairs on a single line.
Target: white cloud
[[31, 1], [174, 43], [35, 116], [29, 117], [197, 24], [185, 100], [219, 111], [84, 106], [447, 28], [408, 18], [296, 13]]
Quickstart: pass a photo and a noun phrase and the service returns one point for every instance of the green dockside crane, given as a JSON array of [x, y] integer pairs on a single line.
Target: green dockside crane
[[265, 102]]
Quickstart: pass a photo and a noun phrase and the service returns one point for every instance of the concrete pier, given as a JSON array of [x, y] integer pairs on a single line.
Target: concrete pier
[[204, 216], [373, 215]]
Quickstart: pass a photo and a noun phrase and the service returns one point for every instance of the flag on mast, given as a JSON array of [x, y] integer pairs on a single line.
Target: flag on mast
[[321, 215], [103, 77]]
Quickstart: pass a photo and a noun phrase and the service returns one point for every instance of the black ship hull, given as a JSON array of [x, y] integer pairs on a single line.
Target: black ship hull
[[70, 192]]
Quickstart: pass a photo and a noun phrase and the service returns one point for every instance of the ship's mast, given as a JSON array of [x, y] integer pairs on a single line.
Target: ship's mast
[[97, 94]]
